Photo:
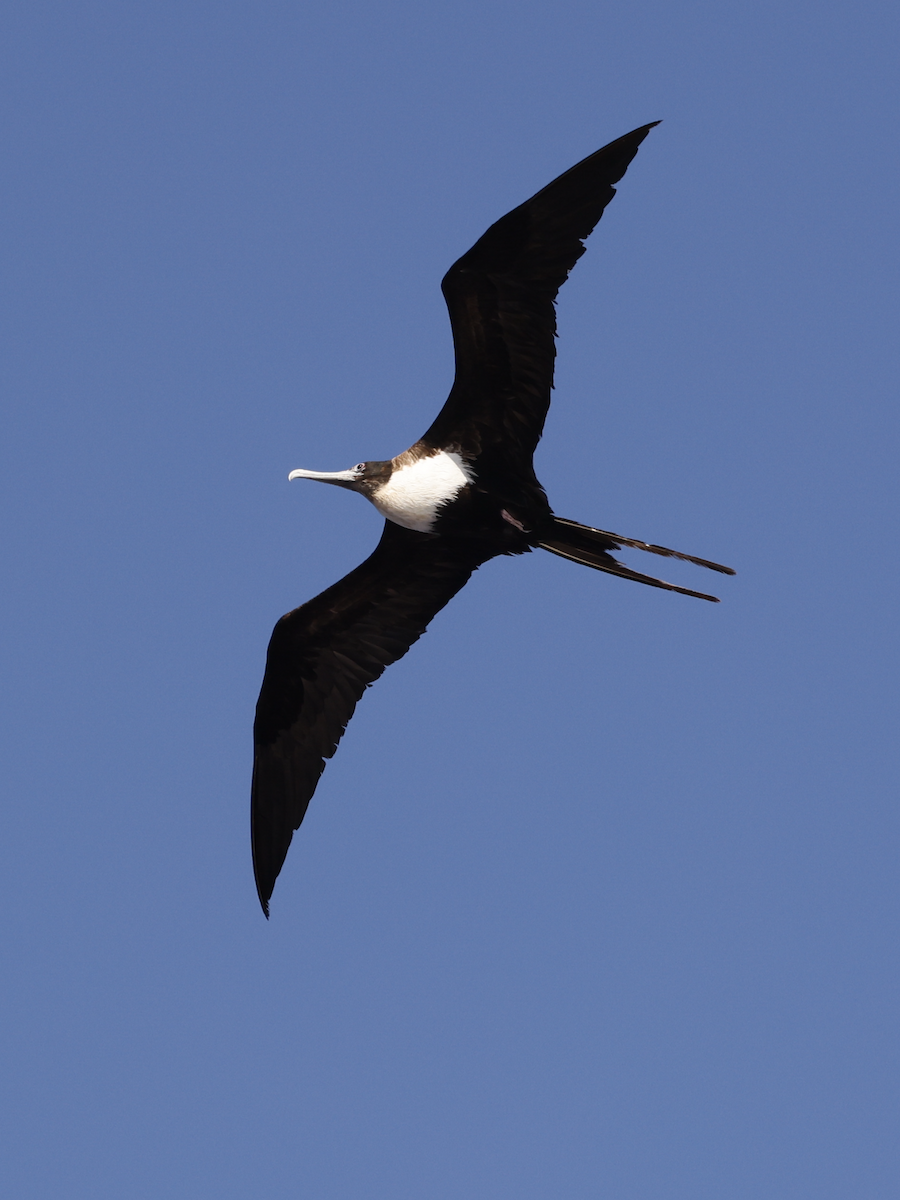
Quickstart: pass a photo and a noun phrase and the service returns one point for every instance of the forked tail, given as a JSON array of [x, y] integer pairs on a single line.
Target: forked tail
[[591, 547]]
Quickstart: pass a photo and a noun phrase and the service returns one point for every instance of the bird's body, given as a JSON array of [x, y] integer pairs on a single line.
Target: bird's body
[[418, 489], [464, 493]]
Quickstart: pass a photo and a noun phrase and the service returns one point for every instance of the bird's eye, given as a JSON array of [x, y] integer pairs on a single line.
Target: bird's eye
[[360, 467]]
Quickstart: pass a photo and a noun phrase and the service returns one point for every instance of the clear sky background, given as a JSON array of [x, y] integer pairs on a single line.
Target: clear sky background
[[599, 897]]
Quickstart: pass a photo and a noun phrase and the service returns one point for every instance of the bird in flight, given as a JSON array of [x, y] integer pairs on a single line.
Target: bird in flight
[[464, 493]]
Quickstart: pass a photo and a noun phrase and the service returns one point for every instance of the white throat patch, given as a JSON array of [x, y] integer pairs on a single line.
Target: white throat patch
[[414, 493]]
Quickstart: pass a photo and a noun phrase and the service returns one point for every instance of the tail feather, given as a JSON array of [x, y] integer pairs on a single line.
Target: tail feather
[[590, 547]]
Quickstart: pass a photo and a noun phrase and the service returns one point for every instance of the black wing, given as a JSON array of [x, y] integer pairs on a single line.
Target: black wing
[[322, 657], [501, 299]]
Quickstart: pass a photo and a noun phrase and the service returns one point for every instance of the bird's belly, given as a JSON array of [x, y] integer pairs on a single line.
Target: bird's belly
[[415, 493]]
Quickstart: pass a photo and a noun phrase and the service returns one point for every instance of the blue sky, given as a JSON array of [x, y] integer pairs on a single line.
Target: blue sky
[[599, 897]]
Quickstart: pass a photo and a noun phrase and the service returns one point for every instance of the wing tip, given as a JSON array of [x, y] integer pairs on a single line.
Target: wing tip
[[263, 892], [643, 130]]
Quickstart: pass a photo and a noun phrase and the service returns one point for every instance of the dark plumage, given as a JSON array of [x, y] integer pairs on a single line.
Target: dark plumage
[[463, 494]]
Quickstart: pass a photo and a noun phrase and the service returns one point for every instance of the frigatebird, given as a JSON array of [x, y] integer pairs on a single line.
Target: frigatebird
[[464, 493]]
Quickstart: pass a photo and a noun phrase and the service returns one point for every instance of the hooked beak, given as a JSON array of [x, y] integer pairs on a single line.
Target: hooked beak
[[341, 478]]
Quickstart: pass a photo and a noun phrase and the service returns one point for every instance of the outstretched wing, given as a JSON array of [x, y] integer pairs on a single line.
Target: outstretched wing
[[322, 657], [501, 294]]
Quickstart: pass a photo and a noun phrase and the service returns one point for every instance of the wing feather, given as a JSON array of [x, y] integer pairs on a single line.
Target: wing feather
[[322, 657], [500, 296]]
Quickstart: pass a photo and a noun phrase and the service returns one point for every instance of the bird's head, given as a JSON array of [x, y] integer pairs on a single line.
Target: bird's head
[[365, 477]]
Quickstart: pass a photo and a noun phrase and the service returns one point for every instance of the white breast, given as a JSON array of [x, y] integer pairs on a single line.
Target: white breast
[[414, 493]]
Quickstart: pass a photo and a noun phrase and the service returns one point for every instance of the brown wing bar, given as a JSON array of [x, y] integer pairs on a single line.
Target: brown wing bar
[[322, 657], [500, 296]]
